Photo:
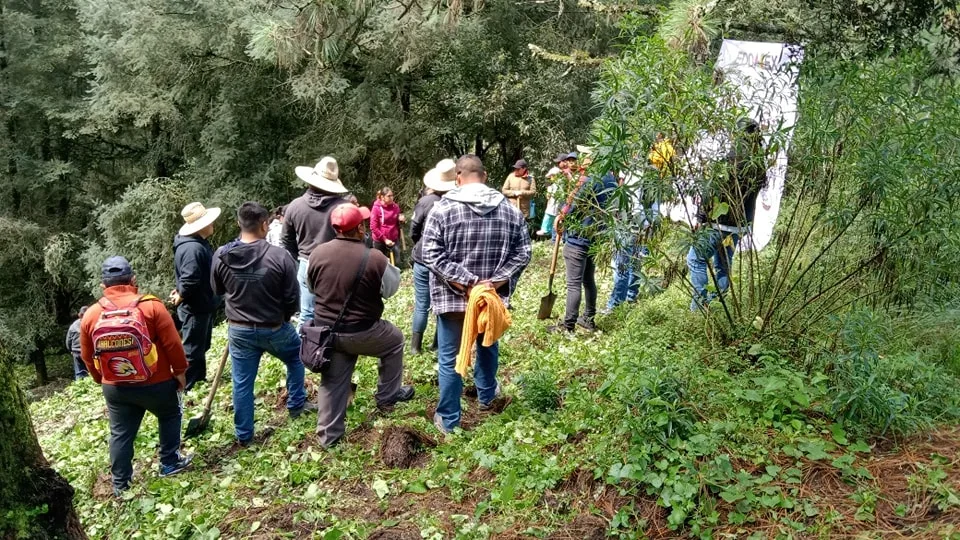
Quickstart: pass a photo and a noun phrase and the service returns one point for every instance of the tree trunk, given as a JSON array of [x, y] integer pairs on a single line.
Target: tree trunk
[[39, 362], [38, 499]]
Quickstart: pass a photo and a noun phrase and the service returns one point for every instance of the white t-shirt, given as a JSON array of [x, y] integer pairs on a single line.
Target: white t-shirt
[[551, 200]]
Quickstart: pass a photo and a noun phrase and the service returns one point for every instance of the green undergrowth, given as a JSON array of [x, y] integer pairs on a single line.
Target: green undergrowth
[[643, 429]]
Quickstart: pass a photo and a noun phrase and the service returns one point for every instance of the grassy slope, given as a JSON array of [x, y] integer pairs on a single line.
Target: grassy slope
[[656, 433]]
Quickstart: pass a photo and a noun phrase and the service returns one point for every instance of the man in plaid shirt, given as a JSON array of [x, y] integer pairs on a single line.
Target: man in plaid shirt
[[473, 236]]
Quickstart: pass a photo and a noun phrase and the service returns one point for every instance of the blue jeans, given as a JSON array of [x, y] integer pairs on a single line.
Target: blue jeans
[[421, 297], [79, 368], [306, 294], [247, 346], [627, 275], [449, 330], [719, 246]]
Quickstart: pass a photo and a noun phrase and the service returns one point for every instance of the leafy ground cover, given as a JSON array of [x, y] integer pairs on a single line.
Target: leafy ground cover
[[644, 429]]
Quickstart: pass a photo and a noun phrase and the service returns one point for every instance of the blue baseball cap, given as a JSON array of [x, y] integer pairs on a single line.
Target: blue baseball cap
[[115, 270]]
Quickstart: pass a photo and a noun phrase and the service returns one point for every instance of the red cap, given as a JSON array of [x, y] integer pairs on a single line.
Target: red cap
[[348, 217]]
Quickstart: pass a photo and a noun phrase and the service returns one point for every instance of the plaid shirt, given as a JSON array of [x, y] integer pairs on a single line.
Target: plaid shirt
[[466, 247]]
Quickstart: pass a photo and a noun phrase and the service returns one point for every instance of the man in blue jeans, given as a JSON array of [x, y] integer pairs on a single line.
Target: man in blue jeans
[[473, 236], [306, 222], [438, 181], [259, 282], [746, 177]]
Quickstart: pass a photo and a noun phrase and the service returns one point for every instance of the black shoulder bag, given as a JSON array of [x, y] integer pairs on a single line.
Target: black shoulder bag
[[316, 340]]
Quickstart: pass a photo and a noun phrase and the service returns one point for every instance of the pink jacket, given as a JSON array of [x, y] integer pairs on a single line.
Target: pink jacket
[[384, 222]]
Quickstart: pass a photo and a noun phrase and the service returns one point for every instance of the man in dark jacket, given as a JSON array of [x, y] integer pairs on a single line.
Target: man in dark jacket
[[195, 301], [306, 223], [73, 345], [259, 283], [438, 181], [333, 275]]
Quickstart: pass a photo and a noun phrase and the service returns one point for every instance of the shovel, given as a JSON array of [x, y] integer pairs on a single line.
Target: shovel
[[546, 303], [197, 425]]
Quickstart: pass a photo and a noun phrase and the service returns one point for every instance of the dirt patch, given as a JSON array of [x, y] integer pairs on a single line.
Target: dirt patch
[[103, 487], [583, 527], [39, 393], [396, 533], [311, 388], [401, 446], [275, 521]]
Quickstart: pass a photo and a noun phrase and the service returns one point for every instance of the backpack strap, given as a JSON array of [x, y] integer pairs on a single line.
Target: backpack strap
[[107, 304], [144, 298]]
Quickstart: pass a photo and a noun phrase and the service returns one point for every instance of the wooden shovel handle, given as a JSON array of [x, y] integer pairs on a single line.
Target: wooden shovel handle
[[553, 261], [208, 404]]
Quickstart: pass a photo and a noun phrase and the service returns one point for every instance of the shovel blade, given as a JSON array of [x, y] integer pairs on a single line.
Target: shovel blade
[[196, 426], [546, 306]]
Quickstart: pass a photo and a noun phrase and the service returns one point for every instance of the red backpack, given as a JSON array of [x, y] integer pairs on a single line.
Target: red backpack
[[122, 349]]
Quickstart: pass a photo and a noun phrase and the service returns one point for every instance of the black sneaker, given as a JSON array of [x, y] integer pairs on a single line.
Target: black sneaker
[[405, 393], [119, 491], [307, 407], [182, 463], [586, 324]]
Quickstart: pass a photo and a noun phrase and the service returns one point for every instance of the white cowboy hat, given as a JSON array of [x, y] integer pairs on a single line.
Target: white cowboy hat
[[325, 176], [443, 177], [197, 217]]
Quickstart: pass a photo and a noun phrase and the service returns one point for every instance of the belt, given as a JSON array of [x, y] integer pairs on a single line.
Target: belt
[[256, 326]]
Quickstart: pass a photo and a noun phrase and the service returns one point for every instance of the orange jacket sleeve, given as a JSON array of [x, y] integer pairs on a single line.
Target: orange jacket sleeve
[[167, 339], [86, 340]]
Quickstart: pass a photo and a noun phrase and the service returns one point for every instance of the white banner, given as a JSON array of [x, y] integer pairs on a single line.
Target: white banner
[[765, 75]]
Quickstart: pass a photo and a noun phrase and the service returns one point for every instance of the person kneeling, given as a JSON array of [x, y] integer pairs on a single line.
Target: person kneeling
[[350, 282]]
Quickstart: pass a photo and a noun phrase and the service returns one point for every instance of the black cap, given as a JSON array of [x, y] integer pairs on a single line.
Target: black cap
[[520, 164], [116, 270]]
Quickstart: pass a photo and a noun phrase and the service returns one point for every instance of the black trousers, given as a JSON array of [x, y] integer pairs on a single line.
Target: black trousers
[[581, 271], [196, 330], [126, 406]]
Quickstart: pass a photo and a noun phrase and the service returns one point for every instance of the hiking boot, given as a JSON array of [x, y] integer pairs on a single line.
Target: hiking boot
[[587, 324], [405, 393], [416, 343], [306, 407], [498, 403], [559, 329], [438, 423], [182, 463]]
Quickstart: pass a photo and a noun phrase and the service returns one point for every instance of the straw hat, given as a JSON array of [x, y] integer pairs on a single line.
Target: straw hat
[[196, 217], [443, 177], [325, 176]]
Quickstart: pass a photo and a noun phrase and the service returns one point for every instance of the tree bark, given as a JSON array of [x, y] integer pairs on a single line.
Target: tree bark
[[38, 499], [39, 362]]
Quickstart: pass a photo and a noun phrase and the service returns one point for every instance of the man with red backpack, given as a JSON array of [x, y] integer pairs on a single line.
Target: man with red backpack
[[131, 347]]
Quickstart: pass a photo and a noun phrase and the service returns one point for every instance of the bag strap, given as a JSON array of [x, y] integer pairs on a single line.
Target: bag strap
[[356, 281]]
